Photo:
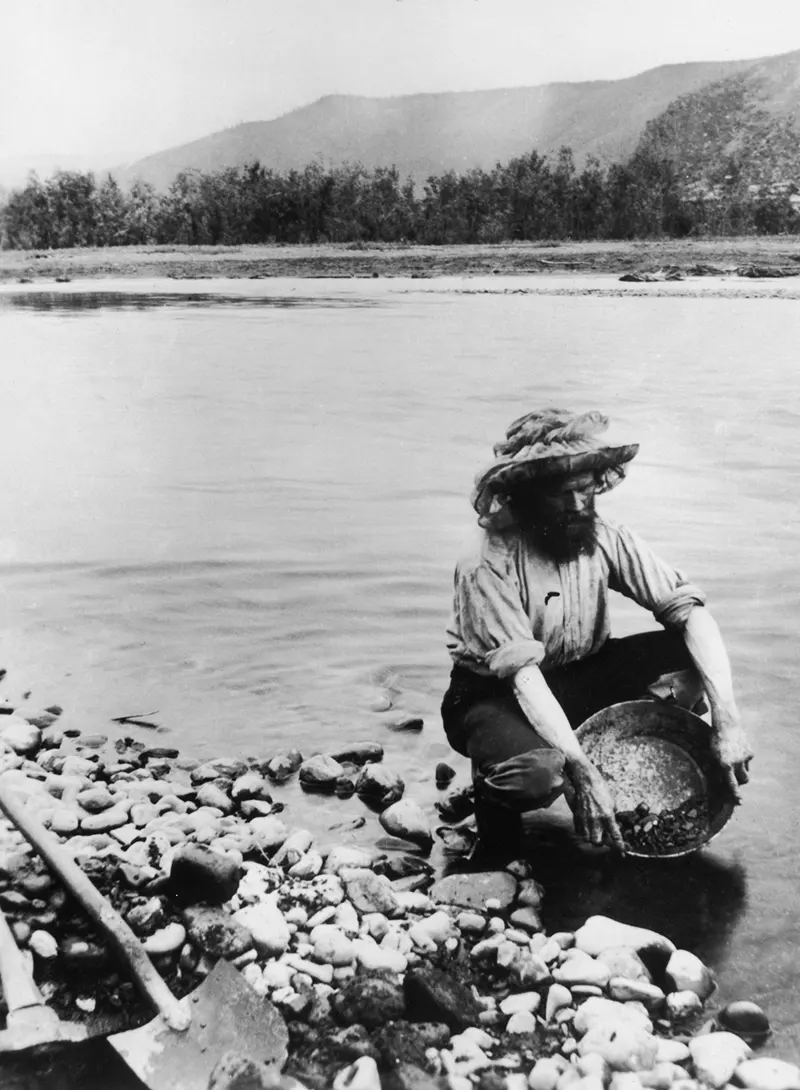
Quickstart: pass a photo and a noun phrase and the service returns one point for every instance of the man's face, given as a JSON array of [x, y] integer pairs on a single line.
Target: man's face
[[560, 514]]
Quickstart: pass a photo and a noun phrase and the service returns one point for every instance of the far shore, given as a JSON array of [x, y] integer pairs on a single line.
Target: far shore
[[346, 260]]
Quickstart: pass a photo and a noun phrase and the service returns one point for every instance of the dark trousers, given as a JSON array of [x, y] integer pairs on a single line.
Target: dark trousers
[[512, 764]]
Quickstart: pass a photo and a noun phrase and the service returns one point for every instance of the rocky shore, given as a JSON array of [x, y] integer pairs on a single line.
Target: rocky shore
[[385, 975]]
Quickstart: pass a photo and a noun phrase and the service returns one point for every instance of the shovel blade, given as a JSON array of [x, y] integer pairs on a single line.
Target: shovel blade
[[227, 1016]]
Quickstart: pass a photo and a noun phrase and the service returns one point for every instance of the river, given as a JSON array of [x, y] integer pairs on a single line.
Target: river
[[238, 508]]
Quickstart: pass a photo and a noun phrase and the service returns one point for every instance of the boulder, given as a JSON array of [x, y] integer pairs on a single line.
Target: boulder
[[359, 753], [216, 933], [284, 765], [715, 1057], [320, 773], [432, 995], [601, 933], [378, 786], [407, 820], [200, 874], [266, 924], [370, 892], [251, 786], [766, 1073], [472, 891], [369, 1001]]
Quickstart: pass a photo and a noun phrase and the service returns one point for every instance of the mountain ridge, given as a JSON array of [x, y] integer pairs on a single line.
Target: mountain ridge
[[431, 132]]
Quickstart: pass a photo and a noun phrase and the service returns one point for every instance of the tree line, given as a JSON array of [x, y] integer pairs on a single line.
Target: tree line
[[528, 198]]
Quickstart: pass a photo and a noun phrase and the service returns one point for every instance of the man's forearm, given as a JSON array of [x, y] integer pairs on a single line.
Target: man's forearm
[[545, 714], [704, 643]]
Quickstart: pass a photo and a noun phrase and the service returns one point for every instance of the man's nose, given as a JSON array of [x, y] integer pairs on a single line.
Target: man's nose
[[576, 502]]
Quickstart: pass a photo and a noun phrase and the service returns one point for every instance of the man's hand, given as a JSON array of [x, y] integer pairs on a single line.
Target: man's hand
[[593, 807], [731, 747]]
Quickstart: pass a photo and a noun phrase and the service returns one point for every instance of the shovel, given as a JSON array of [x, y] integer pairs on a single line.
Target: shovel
[[180, 1047]]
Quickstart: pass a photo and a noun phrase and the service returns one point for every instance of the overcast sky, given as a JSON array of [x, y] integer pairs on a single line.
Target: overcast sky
[[116, 79]]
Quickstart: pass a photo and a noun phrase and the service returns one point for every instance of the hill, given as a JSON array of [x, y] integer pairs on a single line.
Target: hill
[[427, 134], [740, 130]]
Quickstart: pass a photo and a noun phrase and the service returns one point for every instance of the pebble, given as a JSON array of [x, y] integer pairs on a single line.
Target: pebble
[[167, 940], [43, 945]]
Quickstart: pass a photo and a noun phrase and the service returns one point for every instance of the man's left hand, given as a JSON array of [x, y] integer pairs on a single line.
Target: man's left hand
[[731, 747]]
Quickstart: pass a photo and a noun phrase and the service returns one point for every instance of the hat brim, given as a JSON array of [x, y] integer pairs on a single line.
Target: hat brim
[[501, 477]]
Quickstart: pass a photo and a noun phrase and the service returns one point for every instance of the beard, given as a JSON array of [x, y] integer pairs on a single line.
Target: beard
[[564, 538]]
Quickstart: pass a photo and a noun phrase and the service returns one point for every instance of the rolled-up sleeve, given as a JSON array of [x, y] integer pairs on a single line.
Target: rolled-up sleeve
[[639, 574], [493, 626]]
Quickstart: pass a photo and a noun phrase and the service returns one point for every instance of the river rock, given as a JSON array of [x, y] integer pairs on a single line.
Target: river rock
[[78, 954], [672, 1051], [359, 753], [407, 820], [686, 973], [293, 848], [558, 997], [283, 765], [199, 874], [747, 1020], [379, 959], [766, 1073], [251, 785], [362, 1074], [146, 918], [597, 1010], [96, 799], [527, 918], [167, 940], [624, 961], [600, 933], [212, 794], [268, 833], [404, 722], [683, 1004], [106, 820], [64, 822], [623, 990], [266, 924], [332, 946], [520, 1001], [43, 945], [546, 1072], [623, 1047], [472, 891], [376, 784], [307, 866], [432, 995], [216, 933], [716, 1056], [370, 892], [320, 773], [370, 1001], [22, 737]]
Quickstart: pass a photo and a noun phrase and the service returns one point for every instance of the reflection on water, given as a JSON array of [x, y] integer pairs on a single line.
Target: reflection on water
[[66, 303], [244, 513]]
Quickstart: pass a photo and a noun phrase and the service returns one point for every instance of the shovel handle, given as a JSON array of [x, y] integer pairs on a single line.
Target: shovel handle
[[19, 988], [141, 968]]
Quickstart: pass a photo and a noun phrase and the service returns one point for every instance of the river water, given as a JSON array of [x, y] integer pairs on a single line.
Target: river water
[[238, 508]]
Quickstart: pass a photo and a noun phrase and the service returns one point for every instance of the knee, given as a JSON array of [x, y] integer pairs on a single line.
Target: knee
[[527, 781]]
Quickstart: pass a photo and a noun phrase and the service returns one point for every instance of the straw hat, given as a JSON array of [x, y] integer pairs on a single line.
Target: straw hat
[[548, 443]]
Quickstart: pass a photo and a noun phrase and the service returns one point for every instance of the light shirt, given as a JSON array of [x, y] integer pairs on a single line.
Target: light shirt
[[514, 606]]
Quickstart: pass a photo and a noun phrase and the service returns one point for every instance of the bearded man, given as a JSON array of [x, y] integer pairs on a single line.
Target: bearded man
[[530, 638]]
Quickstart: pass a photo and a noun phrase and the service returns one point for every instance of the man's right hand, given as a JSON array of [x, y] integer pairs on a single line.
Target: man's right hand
[[593, 806]]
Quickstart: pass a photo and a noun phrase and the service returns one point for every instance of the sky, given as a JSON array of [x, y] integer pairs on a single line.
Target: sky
[[107, 81]]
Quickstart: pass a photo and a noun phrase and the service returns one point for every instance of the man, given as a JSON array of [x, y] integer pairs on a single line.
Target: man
[[530, 635]]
